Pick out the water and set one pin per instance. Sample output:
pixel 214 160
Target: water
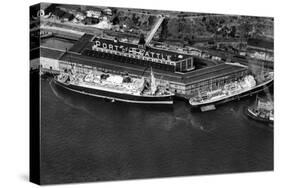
pixel 89 139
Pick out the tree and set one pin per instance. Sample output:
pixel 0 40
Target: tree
pixel 164 30
pixel 151 20
pixel 115 20
pixel 203 19
pixel 135 19
pixel 142 40
pixel 180 26
pixel 233 31
pixel 245 29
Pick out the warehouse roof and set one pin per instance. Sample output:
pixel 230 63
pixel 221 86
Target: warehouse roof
pixel 50 53
pixel 260 43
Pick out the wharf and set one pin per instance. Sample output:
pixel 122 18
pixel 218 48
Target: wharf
pixel 184 84
pixel 183 78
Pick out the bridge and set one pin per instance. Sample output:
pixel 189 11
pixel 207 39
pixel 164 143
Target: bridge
pixel 154 29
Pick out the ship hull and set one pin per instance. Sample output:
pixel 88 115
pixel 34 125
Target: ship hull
pixel 254 116
pixel 250 92
pixel 122 97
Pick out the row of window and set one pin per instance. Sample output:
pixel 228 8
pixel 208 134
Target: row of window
pixel 184 65
pixel 206 85
pixel 214 83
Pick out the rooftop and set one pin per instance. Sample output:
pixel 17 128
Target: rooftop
pixel 88 40
pixel 260 43
pixel 174 55
pixel 81 43
pixel 50 53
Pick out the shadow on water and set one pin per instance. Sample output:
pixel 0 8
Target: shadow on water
pixel 164 116
pixel 114 112
pixel 228 113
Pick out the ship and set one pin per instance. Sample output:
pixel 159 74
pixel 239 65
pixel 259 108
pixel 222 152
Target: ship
pixel 245 86
pixel 124 88
pixel 262 111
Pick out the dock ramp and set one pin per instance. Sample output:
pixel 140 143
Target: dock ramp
pixel 208 108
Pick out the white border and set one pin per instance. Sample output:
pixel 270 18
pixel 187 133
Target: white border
pixel 14 92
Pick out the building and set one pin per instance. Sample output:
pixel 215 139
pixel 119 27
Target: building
pixel 62 15
pixel 136 54
pixel 260 49
pixel 107 11
pixel 49 59
pixel 57 14
pixel 95 13
pixel 90 21
pixel 185 84
pixel 212 77
pixel 80 16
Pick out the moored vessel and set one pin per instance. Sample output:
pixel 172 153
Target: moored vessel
pixel 248 85
pixel 122 88
pixel 262 111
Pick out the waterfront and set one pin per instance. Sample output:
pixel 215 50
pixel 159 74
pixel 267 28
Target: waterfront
pixel 84 138
pixel 99 51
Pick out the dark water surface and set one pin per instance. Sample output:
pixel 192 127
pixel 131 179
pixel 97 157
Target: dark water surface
pixel 89 139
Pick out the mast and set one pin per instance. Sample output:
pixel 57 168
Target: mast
pixel 153 86
pixel 199 94
pixel 262 70
pixel 257 100
pixel 211 84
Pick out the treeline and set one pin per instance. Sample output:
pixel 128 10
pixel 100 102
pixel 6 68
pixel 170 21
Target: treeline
pixel 192 29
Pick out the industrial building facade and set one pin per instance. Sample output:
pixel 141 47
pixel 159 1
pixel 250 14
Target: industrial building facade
pixel 186 86
pixel 209 83
pixel 170 68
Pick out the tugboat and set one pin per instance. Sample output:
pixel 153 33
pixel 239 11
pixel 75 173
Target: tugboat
pixel 122 88
pixel 261 111
pixel 231 91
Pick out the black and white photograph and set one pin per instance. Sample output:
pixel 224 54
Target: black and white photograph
pixel 122 93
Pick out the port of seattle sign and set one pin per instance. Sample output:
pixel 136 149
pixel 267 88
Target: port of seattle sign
pixel 131 50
